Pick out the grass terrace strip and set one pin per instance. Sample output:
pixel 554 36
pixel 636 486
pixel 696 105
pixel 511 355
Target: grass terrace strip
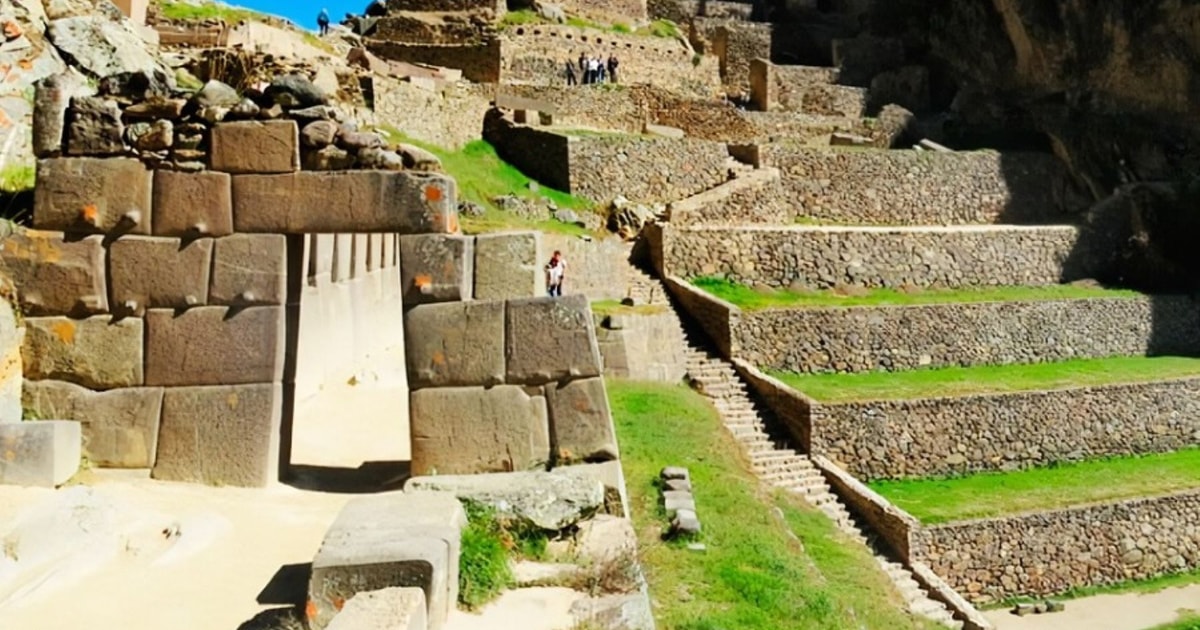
pixel 749 298
pixel 1065 485
pixel 987 379
pixel 758 571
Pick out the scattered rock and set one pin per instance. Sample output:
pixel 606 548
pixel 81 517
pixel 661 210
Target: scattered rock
pixel 359 140
pixel 382 159
pixel 156 136
pixel 113 51
pixel 552 12
pixel 292 91
pixel 470 209
pixel 547 500
pixel 567 216
pixel 216 94
pixel 170 108
pixel 329 158
pixel 685 523
pixel 245 109
pixel 419 159
pixel 318 134
pixel 317 112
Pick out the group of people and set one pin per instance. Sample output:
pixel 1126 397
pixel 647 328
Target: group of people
pixel 592 70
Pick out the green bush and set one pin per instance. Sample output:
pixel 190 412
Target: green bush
pixel 483 560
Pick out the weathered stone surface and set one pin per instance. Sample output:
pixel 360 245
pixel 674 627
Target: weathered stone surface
pixel 255 147
pixel 111 49
pixel 397 608
pixel 294 90
pixel 148 137
pixel 685 523
pixel 676 500
pixel 213 345
pixel 12 338
pixel 550 339
pixel 605 538
pixel 611 476
pixel 52 96
pixel 467 430
pixel 249 269
pixel 392 540
pixel 456 343
pixel 675 472
pixel 418 159
pixel 96 352
pixel 319 134
pixel 192 204
pixel 159 272
pixel 41 453
pixel 581 425
pixel 628 611
pixel 120 426
pixel 56 276
pixel 379 158
pixel 436 268
pixel 227 435
pixel 508 265
pixel 329 158
pixel 216 94
pixel 95 127
pixel 92 195
pixel 548 500
pixel 313 201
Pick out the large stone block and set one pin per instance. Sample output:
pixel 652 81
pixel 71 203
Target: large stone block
pixel 466 430
pixel 249 269
pixel 508 265
pixel 398 608
pixel 95 127
pixel 93 195
pixel 271 146
pixel 550 339
pixel 120 426
pixel 192 204
pixel 52 95
pixel 41 453
pixel 581 425
pixel 97 352
pixel 456 343
pixel 436 268
pixel 12 338
pixel 56 277
pixel 385 541
pixel 226 435
pixel 214 345
pixel 345 201
pixel 158 272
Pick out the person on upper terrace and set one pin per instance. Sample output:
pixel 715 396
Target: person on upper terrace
pixel 571 80
pixel 323 22
pixel 612 68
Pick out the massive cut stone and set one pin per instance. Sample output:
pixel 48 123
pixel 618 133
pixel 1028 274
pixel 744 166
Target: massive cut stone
pixel 214 345
pixel 467 430
pixel 249 269
pixel 41 453
pixel 508 266
pixel 52 96
pixel 96 127
pixel 610 475
pixel 456 343
pixel 271 146
pixel 436 268
pixel 120 426
pixel 581 425
pixel 226 435
pixel 92 195
pixel 110 49
pixel 345 201
pixel 390 540
pixel 56 277
pixel 400 608
pixel 158 272
pixel 549 500
pixel 550 339
pixel 97 352
pixel 192 204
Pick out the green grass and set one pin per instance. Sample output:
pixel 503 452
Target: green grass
pixel 987 379
pixel 1140 587
pixel 1187 621
pixel 614 307
pixel 771 562
pixel 657 28
pixel 749 298
pixel 1054 487
pixel 205 11
pixel 483 561
pixel 16 178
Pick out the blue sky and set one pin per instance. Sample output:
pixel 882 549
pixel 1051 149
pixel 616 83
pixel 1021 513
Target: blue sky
pixel 304 12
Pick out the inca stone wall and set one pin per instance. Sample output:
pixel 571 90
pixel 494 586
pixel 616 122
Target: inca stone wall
pixel 916 187
pixel 479 62
pixel 805 257
pixel 755 197
pixel 449 115
pixel 642 346
pixel 1053 551
pixel 627 12
pixel 737 43
pixel 597 268
pixel 774 87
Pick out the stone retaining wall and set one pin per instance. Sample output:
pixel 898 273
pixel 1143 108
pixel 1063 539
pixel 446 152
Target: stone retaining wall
pixel 714 316
pixel 738 43
pixel 597 268
pixel 479 62
pixel 449 116
pixel 1054 551
pixel 642 346
pixel 754 197
pixel 775 87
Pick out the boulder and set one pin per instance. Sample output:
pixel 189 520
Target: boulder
pixel 318 134
pixel 216 94
pixel 156 136
pixel 96 127
pixel 380 159
pixel 418 159
pixel 113 51
pixel 329 158
pixel 294 91
pixel 359 140
pixel 549 500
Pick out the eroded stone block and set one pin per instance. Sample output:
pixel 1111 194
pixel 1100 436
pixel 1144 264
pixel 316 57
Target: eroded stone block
pixel 214 345
pixel 508 265
pixel 120 426
pixel 456 343
pixel 345 201
pixel 97 352
pixel 399 608
pixel 581 425
pixel 436 268
pixel 93 195
pixel 225 435
pixel 550 339
pixel 51 97
pixel 158 272
pixel 95 127
pixel 249 269
pixel 42 453
pixel 192 204
pixel 56 277
pixel 271 146
pixel 466 430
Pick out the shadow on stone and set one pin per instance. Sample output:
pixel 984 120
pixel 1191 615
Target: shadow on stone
pixel 275 619
pixel 288 586
pixel 368 478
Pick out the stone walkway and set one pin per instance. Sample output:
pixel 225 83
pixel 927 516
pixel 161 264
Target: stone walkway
pixel 1133 611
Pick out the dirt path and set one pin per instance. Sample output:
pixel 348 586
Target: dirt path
pixel 1108 612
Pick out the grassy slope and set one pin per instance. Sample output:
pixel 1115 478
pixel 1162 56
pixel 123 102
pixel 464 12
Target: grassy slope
pixel 757 573
pixel 750 299
pixel 994 494
pixel 988 379
pixel 207 10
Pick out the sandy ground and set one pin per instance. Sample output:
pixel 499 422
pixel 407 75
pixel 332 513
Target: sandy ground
pixel 1107 612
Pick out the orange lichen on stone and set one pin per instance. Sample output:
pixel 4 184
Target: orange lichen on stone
pixel 90 213
pixel 310 609
pixel 65 331
pixel 26 64
pixel 422 280
pixel 232 400
pixel 12 30
pixel 433 193
pixel 453 226
pixel 339 603
pixel 439 358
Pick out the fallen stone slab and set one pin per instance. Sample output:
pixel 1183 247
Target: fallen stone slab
pixel 56 277
pixel 551 339
pixel 685 523
pixel 629 611
pixel 399 608
pixel 581 423
pixel 548 500
pixel 93 195
pixel 675 500
pixel 120 426
pixel 96 352
pixel 468 430
pixel 682 485
pixel 39 453
pixel 610 474
pixel 455 344
pixel 675 472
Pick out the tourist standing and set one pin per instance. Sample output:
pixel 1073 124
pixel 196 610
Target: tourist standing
pixel 612 68
pixel 600 67
pixel 571 80
pixel 556 271
pixel 323 22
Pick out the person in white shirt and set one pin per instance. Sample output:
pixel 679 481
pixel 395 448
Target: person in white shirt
pixel 556 270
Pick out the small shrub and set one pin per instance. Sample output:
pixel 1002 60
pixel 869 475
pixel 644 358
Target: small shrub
pixel 696 58
pixel 621 28
pixel 483 560
pixel 16 178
